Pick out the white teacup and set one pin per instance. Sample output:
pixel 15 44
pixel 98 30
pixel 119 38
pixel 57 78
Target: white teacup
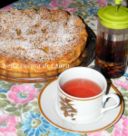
pixel 83 110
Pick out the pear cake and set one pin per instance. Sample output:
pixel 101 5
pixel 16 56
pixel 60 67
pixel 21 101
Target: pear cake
pixel 40 41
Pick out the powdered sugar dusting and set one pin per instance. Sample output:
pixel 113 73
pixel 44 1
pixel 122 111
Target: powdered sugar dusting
pixel 37 35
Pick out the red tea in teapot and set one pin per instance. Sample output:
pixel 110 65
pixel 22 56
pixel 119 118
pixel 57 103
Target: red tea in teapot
pixel 111 56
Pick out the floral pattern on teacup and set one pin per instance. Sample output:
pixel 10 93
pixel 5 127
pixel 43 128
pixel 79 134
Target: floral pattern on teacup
pixel 67 108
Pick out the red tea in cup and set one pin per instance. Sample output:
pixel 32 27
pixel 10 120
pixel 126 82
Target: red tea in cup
pixel 81 88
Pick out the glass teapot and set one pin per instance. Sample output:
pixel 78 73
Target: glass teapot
pixel 112 40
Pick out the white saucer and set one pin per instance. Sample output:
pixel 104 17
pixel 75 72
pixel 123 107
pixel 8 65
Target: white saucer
pixel 47 99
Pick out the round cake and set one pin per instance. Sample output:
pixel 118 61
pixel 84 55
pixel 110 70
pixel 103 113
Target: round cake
pixel 40 41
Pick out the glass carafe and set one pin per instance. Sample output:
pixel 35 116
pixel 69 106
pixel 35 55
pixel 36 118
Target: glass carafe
pixel 112 41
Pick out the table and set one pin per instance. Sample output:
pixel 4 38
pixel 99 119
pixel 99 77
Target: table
pixel 19 112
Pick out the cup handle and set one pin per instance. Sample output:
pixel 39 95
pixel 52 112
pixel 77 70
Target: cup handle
pixel 113 96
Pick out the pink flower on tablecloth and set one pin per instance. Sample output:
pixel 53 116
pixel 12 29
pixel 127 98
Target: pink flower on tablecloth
pixel 122 84
pixel 64 4
pixel 102 2
pixel 99 133
pixel 121 128
pixel 7 8
pixel 8 125
pixel 22 94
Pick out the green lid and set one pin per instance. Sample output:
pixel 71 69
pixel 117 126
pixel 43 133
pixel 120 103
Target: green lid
pixel 112 18
pixel 118 2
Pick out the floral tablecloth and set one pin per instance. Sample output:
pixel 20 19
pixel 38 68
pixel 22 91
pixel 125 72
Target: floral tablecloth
pixel 19 112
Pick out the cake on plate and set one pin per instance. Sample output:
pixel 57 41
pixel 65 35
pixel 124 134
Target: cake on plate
pixel 40 42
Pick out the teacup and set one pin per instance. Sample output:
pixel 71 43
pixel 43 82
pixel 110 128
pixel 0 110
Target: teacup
pixel 80 105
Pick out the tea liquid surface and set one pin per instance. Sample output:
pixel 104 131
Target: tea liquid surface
pixel 81 88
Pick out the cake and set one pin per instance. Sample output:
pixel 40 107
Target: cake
pixel 36 42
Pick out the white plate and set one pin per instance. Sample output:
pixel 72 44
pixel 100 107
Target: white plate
pixel 47 99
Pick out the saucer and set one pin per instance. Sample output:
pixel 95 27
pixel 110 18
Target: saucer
pixel 47 99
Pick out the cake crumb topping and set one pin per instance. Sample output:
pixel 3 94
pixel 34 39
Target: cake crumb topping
pixel 39 35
